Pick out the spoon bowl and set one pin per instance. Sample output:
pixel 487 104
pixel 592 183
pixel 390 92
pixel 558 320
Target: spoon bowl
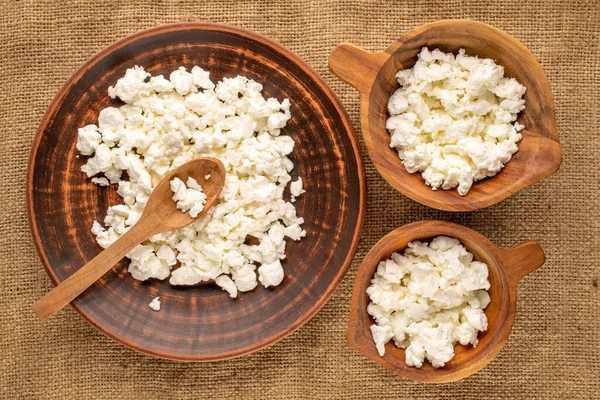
pixel 161 204
pixel 373 74
pixel 506 267
pixel 160 215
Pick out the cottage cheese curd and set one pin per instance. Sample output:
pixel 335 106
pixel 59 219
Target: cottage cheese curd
pixel 155 304
pixel 428 299
pixel 189 198
pixel 453 118
pixel 167 122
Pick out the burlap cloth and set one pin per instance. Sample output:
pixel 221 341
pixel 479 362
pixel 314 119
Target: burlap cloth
pixel 553 352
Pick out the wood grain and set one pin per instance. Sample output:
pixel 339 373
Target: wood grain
pixel 506 268
pixel 160 215
pixel 539 154
pixel 200 324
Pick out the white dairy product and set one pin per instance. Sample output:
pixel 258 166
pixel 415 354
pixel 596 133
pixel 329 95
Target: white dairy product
pixel 296 189
pixel 270 274
pixel 453 119
pixel 427 299
pixel 225 283
pixel 102 181
pixel 155 304
pixel 167 122
pixel 189 198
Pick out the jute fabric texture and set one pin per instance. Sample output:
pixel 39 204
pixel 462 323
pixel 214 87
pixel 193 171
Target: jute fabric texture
pixel 554 350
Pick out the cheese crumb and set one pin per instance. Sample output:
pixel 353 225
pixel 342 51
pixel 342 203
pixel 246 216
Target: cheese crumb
pixel 155 304
pixel 270 274
pixel 102 181
pixel 188 198
pixel 225 283
pixel 453 119
pixel 296 188
pixel 427 299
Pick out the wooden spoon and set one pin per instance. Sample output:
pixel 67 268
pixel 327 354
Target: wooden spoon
pixel 160 215
pixel 373 74
pixel 506 267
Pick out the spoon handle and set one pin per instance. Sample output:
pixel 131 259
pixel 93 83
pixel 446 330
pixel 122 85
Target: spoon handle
pixel 85 277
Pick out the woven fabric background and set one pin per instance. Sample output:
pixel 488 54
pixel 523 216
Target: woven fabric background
pixel 554 350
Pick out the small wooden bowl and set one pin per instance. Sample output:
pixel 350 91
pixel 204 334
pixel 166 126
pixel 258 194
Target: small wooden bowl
pixel 200 323
pixel 506 268
pixel 373 74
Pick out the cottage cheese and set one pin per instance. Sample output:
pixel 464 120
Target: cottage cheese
pixel 428 299
pixel 296 189
pixel 155 304
pixel 188 197
pixel 167 122
pixel 453 119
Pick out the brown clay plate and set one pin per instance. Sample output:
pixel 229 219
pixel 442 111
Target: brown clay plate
pixel 200 323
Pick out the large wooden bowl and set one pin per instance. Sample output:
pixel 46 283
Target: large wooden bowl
pixel 200 323
pixel 539 154
pixel 506 268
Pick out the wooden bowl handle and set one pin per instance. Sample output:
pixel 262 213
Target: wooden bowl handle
pixel 356 66
pixel 545 155
pixel 520 260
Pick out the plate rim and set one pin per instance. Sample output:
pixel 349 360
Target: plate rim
pixel 322 84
